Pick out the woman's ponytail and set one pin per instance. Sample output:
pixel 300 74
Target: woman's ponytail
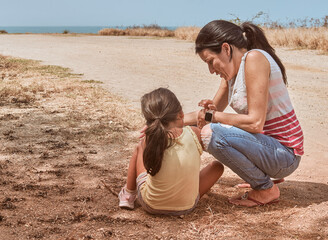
pixel 254 36
pixel 256 39
pixel 159 107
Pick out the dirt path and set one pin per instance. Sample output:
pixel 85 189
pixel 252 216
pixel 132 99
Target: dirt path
pixel 130 66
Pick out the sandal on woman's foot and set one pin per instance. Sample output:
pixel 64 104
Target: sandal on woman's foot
pixel 247 185
pixel 246 198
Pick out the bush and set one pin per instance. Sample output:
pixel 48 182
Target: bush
pixel 137 31
pixel 306 38
pixel 187 33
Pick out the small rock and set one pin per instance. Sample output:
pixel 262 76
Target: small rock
pixel 83 158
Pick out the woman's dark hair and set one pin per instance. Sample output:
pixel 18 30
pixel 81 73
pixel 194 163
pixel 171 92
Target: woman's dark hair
pixel 247 35
pixel 159 107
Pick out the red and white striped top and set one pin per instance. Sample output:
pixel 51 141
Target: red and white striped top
pixel 287 130
pixel 281 121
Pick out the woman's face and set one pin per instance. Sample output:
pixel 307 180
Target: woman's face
pixel 219 64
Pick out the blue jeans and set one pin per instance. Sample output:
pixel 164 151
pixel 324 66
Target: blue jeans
pixel 254 157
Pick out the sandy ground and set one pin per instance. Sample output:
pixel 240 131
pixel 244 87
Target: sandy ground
pixel 130 66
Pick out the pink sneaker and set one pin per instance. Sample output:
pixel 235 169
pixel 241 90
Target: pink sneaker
pixel 126 198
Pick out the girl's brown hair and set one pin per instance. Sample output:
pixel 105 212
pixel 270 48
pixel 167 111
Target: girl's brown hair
pixel 247 35
pixel 159 107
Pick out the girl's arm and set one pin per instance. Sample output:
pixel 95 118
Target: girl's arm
pixel 257 72
pixel 190 119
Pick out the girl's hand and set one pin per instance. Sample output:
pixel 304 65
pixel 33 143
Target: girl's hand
pixel 207 104
pixel 201 118
pixel 142 132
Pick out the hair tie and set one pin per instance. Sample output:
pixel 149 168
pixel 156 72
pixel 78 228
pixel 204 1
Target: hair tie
pixel 244 35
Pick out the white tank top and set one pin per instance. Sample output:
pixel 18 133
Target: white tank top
pixel 281 122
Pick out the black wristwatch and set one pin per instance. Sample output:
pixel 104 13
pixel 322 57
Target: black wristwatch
pixel 209 116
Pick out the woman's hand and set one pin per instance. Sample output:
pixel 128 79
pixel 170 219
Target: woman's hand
pixel 207 104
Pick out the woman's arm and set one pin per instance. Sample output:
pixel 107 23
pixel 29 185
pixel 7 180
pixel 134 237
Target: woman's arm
pixel 257 72
pixel 220 99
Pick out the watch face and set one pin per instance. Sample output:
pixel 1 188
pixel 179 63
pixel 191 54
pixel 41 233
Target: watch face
pixel 208 116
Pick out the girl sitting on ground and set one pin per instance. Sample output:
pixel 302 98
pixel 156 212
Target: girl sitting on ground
pixel 164 168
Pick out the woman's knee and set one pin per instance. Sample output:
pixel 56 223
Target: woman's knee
pixel 218 134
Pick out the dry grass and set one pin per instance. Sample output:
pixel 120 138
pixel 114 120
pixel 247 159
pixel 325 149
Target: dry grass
pixel 187 33
pixel 26 83
pixel 307 38
pixel 184 33
pixel 153 32
pixel 300 38
pixel 59 137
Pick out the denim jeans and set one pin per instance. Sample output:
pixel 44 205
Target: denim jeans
pixel 254 157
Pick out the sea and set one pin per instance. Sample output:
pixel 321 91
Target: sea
pixel 61 29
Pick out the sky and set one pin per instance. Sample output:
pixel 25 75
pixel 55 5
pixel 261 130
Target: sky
pixel 173 13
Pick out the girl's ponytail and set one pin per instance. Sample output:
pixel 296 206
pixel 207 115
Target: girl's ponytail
pixel 256 39
pixel 159 107
pixel 157 141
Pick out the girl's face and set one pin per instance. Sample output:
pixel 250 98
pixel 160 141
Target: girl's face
pixel 219 63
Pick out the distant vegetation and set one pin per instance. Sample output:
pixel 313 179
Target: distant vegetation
pixel 146 30
pixel 3 31
pixel 302 38
pixel 262 19
pixel 308 33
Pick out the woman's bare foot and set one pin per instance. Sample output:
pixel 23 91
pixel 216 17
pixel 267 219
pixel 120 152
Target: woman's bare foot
pixel 247 185
pixel 257 197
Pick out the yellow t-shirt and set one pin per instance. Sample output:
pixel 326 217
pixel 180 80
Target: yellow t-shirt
pixel 176 185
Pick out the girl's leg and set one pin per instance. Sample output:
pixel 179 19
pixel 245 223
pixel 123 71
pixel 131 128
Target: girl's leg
pixel 140 168
pixel 128 193
pixel 136 167
pixel 208 176
pixel 132 173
